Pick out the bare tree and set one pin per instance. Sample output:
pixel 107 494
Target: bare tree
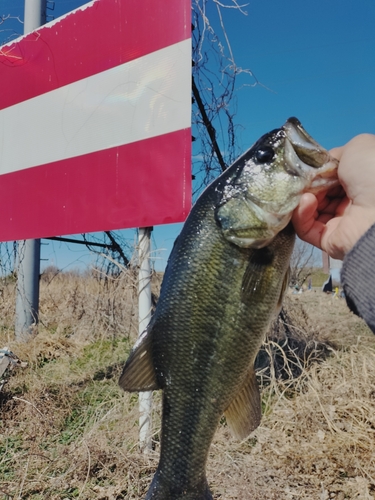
pixel 304 260
pixel 11 27
pixel 216 79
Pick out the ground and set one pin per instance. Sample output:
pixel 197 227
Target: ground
pixel 68 431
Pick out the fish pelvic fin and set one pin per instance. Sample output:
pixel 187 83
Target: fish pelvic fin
pixel 139 372
pixel 244 413
pixel 162 489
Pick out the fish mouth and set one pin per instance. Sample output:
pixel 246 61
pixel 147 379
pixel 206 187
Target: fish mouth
pixel 306 158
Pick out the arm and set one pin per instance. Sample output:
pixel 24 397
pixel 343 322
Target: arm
pixel 358 278
pixel 338 222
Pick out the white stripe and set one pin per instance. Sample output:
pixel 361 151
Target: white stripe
pixel 138 100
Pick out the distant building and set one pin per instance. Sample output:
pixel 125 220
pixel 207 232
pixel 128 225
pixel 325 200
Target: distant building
pixel 325 258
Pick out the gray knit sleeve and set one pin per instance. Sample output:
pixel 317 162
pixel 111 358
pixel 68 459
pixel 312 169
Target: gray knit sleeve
pixel 358 278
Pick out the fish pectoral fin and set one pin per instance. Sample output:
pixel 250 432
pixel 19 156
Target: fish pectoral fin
pixel 139 372
pixel 244 413
pixel 284 288
pixel 257 276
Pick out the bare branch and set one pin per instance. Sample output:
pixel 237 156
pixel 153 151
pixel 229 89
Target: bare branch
pixel 215 75
pixel 302 263
pixel 234 6
pixel 11 33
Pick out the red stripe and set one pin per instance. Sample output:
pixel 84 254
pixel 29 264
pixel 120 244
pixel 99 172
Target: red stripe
pixel 100 37
pixel 57 198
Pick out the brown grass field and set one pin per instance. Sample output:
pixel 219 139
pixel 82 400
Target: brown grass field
pixel 68 431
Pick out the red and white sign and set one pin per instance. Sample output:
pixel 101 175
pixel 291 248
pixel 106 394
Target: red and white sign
pixel 95 117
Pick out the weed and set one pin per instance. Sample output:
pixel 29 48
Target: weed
pixel 67 431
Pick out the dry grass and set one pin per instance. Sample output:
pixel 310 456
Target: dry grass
pixel 67 431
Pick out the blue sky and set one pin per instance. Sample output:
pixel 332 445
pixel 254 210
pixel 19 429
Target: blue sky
pixel 314 59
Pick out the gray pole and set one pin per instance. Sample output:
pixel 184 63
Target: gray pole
pixel 27 300
pixel 144 315
pixel 34 14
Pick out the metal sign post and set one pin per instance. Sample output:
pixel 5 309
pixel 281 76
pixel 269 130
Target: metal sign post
pixel 27 300
pixel 144 314
pixel 34 15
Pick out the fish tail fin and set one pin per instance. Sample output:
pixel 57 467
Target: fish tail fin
pixel 161 489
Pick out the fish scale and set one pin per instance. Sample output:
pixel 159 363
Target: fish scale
pixel 222 286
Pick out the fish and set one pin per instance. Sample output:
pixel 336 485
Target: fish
pixel 223 285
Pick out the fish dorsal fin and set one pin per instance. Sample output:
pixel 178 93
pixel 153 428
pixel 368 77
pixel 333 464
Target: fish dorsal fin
pixel 139 372
pixel 244 413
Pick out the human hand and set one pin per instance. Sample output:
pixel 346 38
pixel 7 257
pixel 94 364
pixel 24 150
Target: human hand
pixel 334 220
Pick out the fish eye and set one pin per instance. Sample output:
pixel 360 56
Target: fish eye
pixel 264 154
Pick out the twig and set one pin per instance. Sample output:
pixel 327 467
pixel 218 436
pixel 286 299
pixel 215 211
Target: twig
pixel 7 495
pixel 88 469
pixel 24 478
pixel 31 404
pixel 210 128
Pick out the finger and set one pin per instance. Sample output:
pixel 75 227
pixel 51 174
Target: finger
pixel 328 201
pixel 311 232
pixel 336 152
pixel 343 206
pixel 332 207
pixel 308 223
pixel 330 244
pixel 304 216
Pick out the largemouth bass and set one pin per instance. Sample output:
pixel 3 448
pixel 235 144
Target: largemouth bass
pixel 223 285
